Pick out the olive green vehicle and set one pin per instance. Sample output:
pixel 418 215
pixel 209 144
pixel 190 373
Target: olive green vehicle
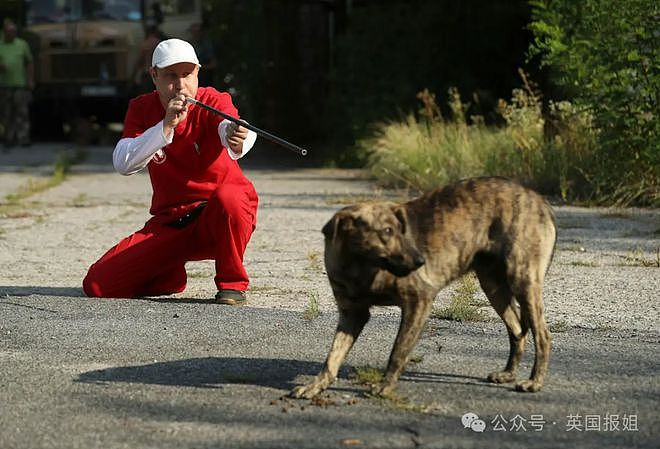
pixel 86 53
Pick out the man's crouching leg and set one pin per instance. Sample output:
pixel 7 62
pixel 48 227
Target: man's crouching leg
pixel 148 263
pixel 228 222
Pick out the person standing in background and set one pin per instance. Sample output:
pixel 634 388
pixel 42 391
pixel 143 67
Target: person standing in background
pixel 16 85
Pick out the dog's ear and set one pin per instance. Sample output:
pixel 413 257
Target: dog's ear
pixel 401 215
pixel 330 228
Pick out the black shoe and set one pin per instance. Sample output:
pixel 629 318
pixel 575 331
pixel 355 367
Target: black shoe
pixel 230 297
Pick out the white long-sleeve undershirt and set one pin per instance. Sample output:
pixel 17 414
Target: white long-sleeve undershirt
pixel 132 154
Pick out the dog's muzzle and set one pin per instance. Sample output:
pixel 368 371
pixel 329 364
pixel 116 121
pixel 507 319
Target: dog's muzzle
pixel 401 267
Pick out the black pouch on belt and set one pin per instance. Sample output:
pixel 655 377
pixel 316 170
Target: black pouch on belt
pixel 185 220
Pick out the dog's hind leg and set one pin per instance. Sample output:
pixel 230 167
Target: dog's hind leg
pixel 492 278
pixel 414 313
pixel 351 323
pixel 529 295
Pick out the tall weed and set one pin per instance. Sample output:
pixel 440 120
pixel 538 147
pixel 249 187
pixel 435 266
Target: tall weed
pixel 422 153
pixel 545 151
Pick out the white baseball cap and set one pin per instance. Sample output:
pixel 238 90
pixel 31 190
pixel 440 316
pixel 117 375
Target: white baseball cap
pixel 173 51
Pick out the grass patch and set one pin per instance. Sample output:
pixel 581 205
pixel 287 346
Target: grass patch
pixel 368 375
pixel 314 259
pixel 13 202
pixel 312 310
pixel 80 200
pixel 463 305
pixel 33 187
pixel 559 326
pixel 637 258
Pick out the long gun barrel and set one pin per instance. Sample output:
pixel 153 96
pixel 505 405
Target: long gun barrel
pixel 261 132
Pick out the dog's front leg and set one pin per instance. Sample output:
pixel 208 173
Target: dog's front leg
pixel 351 323
pixel 414 314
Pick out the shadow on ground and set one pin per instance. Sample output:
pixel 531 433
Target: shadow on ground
pixel 208 372
pixel 213 372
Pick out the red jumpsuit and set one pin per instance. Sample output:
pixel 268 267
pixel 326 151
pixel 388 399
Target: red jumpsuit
pixel 193 169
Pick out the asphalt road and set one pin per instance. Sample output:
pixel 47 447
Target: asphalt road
pixel 80 373
pixel 184 373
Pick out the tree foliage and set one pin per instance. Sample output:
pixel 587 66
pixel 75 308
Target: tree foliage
pixel 605 56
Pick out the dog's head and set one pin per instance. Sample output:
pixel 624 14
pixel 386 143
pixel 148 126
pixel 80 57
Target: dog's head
pixel 373 233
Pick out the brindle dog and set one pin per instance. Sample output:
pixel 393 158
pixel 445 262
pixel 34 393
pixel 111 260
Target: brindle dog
pixel 383 253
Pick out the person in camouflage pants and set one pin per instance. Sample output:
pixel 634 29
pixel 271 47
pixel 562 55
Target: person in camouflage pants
pixel 16 84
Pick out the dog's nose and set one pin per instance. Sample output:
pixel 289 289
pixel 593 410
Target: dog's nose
pixel 419 261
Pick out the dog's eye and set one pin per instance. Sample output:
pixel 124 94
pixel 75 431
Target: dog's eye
pixel 388 231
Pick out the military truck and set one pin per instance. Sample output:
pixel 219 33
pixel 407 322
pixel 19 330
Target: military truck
pixel 86 51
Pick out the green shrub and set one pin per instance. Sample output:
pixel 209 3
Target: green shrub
pixel 602 146
pixel 605 56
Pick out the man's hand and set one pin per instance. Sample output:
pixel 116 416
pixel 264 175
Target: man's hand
pixel 236 134
pixel 176 112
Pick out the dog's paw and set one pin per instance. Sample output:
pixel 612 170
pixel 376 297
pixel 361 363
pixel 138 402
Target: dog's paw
pixel 528 386
pixel 306 391
pixel 501 377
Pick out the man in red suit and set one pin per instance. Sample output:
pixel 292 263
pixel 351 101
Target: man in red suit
pixel 202 207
